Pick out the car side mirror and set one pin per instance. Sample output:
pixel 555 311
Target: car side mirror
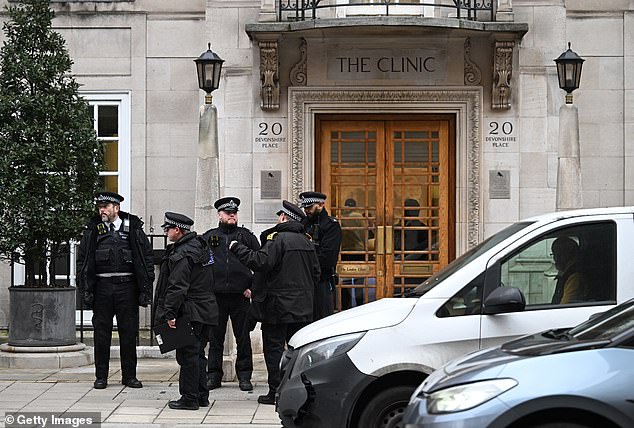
pixel 503 300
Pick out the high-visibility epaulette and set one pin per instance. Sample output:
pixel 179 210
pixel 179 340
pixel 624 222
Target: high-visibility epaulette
pixel 271 236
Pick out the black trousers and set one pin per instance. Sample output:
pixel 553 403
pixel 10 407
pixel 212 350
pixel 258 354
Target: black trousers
pixel 115 298
pixel 274 339
pixel 323 302
pixel 236 307
pixel 192 378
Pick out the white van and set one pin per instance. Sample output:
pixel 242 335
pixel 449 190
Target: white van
pixel 359 367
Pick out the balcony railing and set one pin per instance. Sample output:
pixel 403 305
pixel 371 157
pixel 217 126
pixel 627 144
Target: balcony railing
pixel 301 10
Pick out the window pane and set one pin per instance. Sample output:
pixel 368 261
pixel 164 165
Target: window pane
pixel 416 152
pixel 353 152
pixel 416 135
pixel 111 156
pixel 571 265
pixel 108 121
pixel 371 152
pixel 109 183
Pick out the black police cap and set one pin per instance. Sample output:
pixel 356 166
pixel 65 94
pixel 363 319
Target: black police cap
pixel 307 199
pixel 177 220
pixel 292 211
pixel 228 203
pixel 108 198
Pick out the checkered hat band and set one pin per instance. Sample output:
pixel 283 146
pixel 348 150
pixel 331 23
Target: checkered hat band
pixel 291 215
pixel 106 199
pixel 310 201
pixel 177 224
pixel 232 205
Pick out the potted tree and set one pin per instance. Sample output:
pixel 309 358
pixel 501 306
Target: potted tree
pixel 49 171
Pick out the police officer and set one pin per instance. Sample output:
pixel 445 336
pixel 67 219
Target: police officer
pixel 288 269
pixel 232 287
pixel 184 292
pixel 115 274
pixel 326 234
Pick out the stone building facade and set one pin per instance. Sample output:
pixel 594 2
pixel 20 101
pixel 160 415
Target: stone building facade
pixel 455 109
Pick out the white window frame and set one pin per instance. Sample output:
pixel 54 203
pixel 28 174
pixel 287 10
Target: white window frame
pixel 122 101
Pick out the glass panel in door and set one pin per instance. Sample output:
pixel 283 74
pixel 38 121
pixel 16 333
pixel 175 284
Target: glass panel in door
pixel 419 193
pixel 349 175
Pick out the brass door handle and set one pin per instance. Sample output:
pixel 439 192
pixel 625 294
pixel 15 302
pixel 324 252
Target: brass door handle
pixel 389 241
pixel 380 240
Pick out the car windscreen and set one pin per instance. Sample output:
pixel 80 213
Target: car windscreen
pixel 606 325
pixel 464 259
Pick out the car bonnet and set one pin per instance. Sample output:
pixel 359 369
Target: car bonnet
pixel 380 314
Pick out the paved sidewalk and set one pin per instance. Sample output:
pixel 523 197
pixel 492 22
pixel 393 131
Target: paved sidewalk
pixel 59 391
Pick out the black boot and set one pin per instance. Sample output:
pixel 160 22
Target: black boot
pixel 181 404
pixel 245 385
pixel 268 398
pixel 213 382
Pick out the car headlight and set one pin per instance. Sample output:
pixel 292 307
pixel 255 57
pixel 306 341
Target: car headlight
pixel 468 396
pixel 314 353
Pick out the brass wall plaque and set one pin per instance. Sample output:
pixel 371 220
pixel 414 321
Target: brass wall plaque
pixel 354 269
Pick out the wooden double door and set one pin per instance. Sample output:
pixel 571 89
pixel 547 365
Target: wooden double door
pixel 390 182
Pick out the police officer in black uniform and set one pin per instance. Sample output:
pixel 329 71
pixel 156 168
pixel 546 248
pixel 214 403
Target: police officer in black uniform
pixel 326 234
pixel 288 271
pixel 115 274
pixel 232 287
pixel 185 292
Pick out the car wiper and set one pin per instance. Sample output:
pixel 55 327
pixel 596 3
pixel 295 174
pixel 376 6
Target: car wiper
pixel 409 293
pixel 558 334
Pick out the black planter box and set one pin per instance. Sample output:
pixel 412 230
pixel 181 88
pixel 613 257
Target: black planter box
pixel 41 316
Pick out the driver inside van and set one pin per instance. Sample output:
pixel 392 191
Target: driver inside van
pixel 570 286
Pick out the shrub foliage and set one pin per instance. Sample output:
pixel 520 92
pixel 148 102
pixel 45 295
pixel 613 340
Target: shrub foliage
pixel 50 156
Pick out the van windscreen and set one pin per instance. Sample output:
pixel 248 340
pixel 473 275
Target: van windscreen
pixel 473 253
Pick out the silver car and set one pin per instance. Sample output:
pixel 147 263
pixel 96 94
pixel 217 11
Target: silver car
pixel 579 377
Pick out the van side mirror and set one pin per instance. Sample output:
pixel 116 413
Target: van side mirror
pixel 503 300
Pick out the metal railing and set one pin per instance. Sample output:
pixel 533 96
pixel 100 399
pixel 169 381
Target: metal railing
pixel 66 265
pixel 300 10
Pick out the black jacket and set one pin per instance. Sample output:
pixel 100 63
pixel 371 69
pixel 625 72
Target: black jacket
pixel 289 269
pixel 142 257
pixel 230 276
pixel 185 282
pixel 326 234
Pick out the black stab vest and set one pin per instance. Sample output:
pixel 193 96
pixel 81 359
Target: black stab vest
pixel 113 253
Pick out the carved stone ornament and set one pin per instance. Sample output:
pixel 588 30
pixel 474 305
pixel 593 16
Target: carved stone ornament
pixel 472 73
pixel 298 75
pixel 269 76
pixel 466 103
pixel 502 73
